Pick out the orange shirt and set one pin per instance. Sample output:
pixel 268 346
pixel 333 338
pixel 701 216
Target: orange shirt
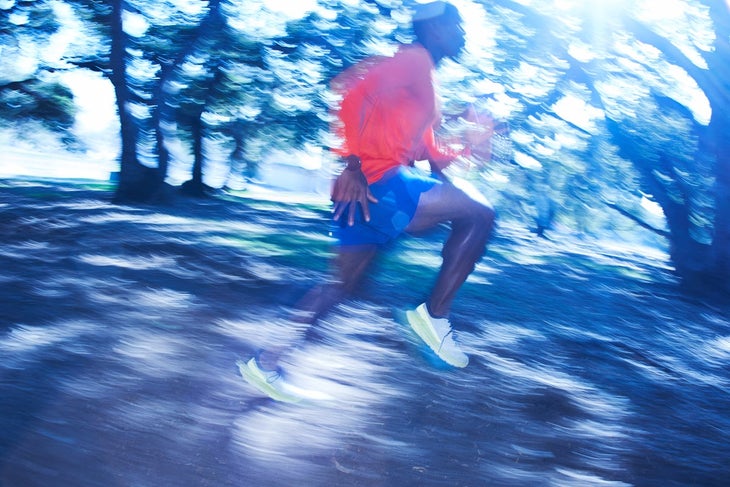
pixel 388 112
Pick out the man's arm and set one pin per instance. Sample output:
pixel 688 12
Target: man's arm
pixel 439 156
pixel 351 187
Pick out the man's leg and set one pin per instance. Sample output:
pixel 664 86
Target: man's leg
pixel 472 223
pixel 350 265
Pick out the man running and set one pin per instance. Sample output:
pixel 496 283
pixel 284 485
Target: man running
pixel 387 118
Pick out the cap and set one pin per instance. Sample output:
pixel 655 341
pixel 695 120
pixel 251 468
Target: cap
pixel 426 11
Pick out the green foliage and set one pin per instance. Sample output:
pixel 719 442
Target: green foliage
pixel 48 102
pixel 30 90
pixel 28 19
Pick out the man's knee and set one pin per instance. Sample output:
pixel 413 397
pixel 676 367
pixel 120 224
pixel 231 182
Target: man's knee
pixel 476 207
pixel 488 215
pixel 482 216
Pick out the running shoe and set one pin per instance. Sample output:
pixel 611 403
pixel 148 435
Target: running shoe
pixel 438 335
pixel 270 382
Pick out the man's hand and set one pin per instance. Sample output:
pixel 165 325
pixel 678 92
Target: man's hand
pixel 351 188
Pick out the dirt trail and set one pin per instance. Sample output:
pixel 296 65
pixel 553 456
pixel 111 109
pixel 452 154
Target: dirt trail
pixel 120 327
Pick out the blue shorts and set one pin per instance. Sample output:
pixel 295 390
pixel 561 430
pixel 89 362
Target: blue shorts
pixel 397 192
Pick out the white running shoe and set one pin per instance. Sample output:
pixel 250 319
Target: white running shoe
pixel 437 334
pixel 270 383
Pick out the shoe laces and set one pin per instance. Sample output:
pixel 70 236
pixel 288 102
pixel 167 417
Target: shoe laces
pixel 271 376
pixel 449 334
pixel 441 325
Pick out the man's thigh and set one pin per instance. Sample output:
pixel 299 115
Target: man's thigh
pixel 447 202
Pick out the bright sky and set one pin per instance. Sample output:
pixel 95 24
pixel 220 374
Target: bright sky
pixel 94 97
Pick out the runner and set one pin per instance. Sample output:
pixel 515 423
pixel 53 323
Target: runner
pixel 387 118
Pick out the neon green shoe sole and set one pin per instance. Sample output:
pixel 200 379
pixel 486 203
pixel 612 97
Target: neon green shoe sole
pixel 444 347
pixel 272 387
pixel 423 329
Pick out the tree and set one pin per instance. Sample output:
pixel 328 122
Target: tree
pixel 136 181
pixel 714 141
pixel 609 104
pixel 164 44
pixel 643 77
pixel 202 40
pixel 686 168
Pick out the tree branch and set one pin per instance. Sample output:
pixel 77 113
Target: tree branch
pixel 637 220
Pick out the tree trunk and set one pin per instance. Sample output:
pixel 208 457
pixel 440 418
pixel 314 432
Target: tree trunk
pixel 721 242
pixel 238 165
pixel 717 134
pixel 212 21
pixel 136 181
pixel 195 186
pixel 160 116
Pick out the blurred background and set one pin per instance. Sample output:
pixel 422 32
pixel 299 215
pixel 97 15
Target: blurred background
pixel 600 131
pixel 610 115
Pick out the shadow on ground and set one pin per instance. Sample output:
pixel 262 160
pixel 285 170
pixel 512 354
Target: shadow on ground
pixel 120 327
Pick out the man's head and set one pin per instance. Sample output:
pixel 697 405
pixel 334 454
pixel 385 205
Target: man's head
pixel 437 26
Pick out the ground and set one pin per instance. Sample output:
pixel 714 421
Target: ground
pixel 120 327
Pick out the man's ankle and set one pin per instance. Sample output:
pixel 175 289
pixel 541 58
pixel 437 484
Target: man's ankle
pixel 268 359
pixel 435 315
